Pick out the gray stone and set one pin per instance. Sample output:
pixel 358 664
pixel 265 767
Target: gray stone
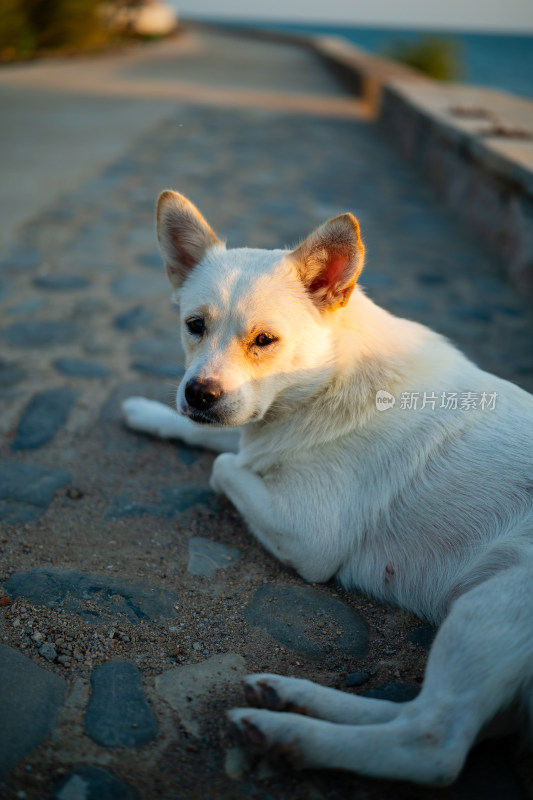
pixel 74 591
pixel 43 417
pixel 172 371
pixel 158 348
pixel 60 283
pixel 140 286
pixel 79 368
pixel 118 713
pixel 30 699
pixel 172 500
pixel 93 783
pixel 10 374
pixel 305 620
pixel 26 490
pixel 188 689
pixel 133 319
pixel 42 333
pixel 47 651
pixel 206 556
pixel 397 692
pixel 357 678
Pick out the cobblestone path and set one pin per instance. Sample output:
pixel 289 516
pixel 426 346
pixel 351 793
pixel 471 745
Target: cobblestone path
pixel 133 600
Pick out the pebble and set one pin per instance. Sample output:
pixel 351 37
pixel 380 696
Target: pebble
pixel 47 651
pixel 79 368
pixel 89 782
pixel 357 678
pixel 71 590
pixel 290 613
pixel 172 371
pixel 42 333
pixel 172 500
pixel 118 713
pixel 188 689
pixel 133 319
pixel 44 415
pixel 206 556
pixel 60 283
pixel 30 699
pixel 26 490
pixel 164 349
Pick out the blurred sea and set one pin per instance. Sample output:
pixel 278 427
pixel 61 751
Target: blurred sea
pixel 500 61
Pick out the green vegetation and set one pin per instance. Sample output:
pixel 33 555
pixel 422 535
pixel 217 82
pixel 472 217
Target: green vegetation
pixel 437 57
pixel 40 27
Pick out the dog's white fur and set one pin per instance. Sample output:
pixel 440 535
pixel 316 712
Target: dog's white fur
pixel 430 509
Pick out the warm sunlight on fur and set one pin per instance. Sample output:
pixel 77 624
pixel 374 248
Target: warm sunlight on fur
pixel 354 461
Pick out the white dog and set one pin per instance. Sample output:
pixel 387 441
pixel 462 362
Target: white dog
pixel 369 449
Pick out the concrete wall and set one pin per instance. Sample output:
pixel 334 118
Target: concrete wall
pixel 475 146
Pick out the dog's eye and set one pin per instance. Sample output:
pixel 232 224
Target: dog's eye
pixel 196 326
pixel 263 339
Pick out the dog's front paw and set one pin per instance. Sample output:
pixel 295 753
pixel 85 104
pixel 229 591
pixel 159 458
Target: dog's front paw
pixel 149 416
pixel 221 467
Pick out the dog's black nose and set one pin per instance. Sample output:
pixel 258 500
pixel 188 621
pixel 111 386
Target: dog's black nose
pixel 202 394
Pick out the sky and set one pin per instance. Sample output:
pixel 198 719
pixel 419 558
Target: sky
pixel 470 15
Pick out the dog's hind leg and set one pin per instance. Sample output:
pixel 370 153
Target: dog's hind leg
pixel 481 662
pixel 158 419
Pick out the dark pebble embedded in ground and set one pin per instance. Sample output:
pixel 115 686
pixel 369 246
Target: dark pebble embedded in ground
pixel 41 333
pixel 78 592
pixel 42 418
pixel 206 556
pixel 80 368
pixel 133 319
pixel 26 490
pixel 60 283
pixel 118 713
pixel 30 699
pixel 298 617
pixel 172 500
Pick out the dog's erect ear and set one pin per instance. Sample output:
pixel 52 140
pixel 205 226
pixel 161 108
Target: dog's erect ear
pixel 183 234
pixel 329 261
